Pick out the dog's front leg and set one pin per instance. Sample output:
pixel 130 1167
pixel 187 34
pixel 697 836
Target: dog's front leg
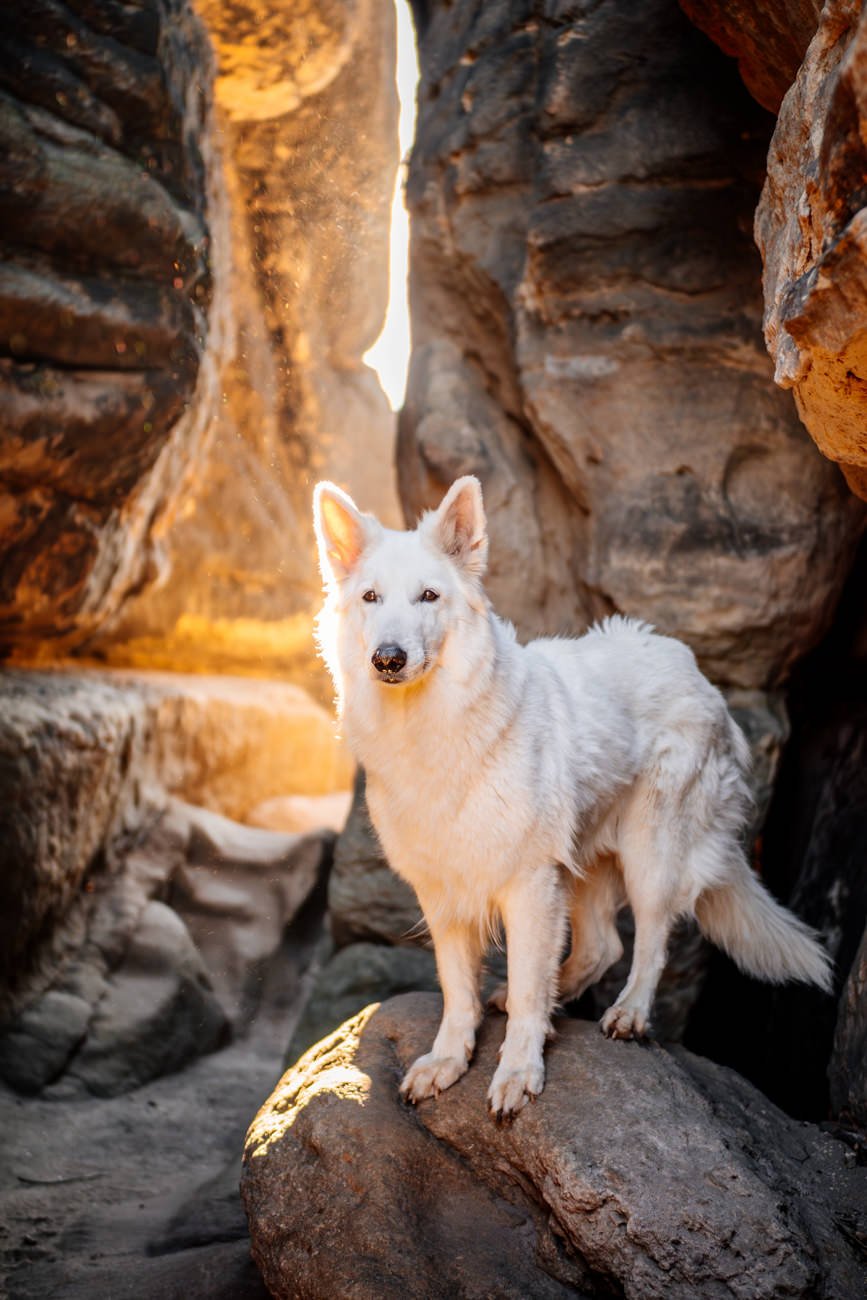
pixel 534 918
pixel 458 954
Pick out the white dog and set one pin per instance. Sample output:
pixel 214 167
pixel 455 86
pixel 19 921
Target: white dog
pixel 520 784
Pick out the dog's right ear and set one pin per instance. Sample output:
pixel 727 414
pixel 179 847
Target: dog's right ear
pixel 342 531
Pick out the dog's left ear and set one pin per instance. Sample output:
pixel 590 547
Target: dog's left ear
pixel 342 531
pixel 460 528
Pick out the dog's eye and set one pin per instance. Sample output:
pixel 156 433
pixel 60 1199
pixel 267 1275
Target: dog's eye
pixel 369 596
pixel 429 594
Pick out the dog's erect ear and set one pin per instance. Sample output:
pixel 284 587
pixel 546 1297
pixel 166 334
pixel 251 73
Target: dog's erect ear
pixel 460 528
pixel 342 531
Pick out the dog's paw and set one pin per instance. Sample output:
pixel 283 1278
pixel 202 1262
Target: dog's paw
pixel 430 1075
pixel 497 1000
pixel 511 1089
pixel 624 1021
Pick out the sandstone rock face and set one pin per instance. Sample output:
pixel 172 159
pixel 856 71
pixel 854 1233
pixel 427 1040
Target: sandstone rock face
pixel 768 40
pixel 810 227
pixel 308 121
pixel 108 335
pixel 635 1173
pixel 151 985
pixel 86 761
pixel 586 325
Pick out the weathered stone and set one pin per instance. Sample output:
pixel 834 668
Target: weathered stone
pixel 847 1071
pixel 300 813
pixel 637 1173
pixel 229 742
pixel 585 298
pixel 768 40
pixel 811 227
pixel 159 1011
pixel 366 900
pixel 309 147
pixel 149 986
pixel 107 355
pixel 352 979
pixel 85 759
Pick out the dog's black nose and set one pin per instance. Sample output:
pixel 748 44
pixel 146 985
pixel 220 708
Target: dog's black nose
pixel 389 659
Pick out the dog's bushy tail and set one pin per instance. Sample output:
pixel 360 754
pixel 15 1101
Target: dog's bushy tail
pixel 764 938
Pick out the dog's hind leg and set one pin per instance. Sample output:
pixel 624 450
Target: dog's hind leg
pixel 533 916
pixel 651 889
pixel 594 901
pixel 458 955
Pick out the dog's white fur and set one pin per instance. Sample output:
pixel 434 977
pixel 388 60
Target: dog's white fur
pixel 524 784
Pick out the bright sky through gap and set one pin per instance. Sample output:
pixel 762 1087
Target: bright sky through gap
pixel 389 355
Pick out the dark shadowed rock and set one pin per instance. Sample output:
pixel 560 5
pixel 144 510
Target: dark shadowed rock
pixel 587 334
pixel 639 1172
pixel 767 38
pixel 847 1071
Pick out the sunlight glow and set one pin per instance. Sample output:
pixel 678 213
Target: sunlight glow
pixel 389 355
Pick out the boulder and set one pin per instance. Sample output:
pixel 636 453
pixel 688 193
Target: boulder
pixel 847 1071
pixel 86 759
pixel 586 314
pixel 639 1172
pixel 173 957
pixel 811 227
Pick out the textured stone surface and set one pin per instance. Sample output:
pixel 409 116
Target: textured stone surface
pixel 85 759
pixel 811 227
pixel 848 1068
pixel 767 38
pixel 107 360
pixel 309 148
pixel 586 326
pixel 151 985
pixel 137 1195
pixel 635 1173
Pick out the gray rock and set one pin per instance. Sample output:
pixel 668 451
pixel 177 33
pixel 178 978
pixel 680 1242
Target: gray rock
pixel 366 900
pixel 159 1012
pixel 352 979
pixel 639 1171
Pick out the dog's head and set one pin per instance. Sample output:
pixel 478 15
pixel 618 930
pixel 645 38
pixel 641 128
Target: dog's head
pixel 399 596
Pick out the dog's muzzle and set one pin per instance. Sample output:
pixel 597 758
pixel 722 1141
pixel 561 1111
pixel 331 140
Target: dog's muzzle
pixel 388 661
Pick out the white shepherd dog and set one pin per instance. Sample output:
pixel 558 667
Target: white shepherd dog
pixel 525 784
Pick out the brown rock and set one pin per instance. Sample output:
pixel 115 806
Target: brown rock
pixel 810 227
pixel 639 1171
pixel 86 759
pixel 586 325
pixel 768 40
pixel 107 370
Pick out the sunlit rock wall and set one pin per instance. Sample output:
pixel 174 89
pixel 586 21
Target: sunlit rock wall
pixel 196 205
pixel 587 308
pixel 108 331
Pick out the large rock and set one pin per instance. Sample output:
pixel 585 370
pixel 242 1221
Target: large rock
pixel 108 358
pixel 151 985
pixel 848 1068
pixel 811 227
pixel 85 760
pixel 638 1172
pixel 308 121
pixel 586 325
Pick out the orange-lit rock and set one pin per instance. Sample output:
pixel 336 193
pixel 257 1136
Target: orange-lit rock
pixel 811 227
